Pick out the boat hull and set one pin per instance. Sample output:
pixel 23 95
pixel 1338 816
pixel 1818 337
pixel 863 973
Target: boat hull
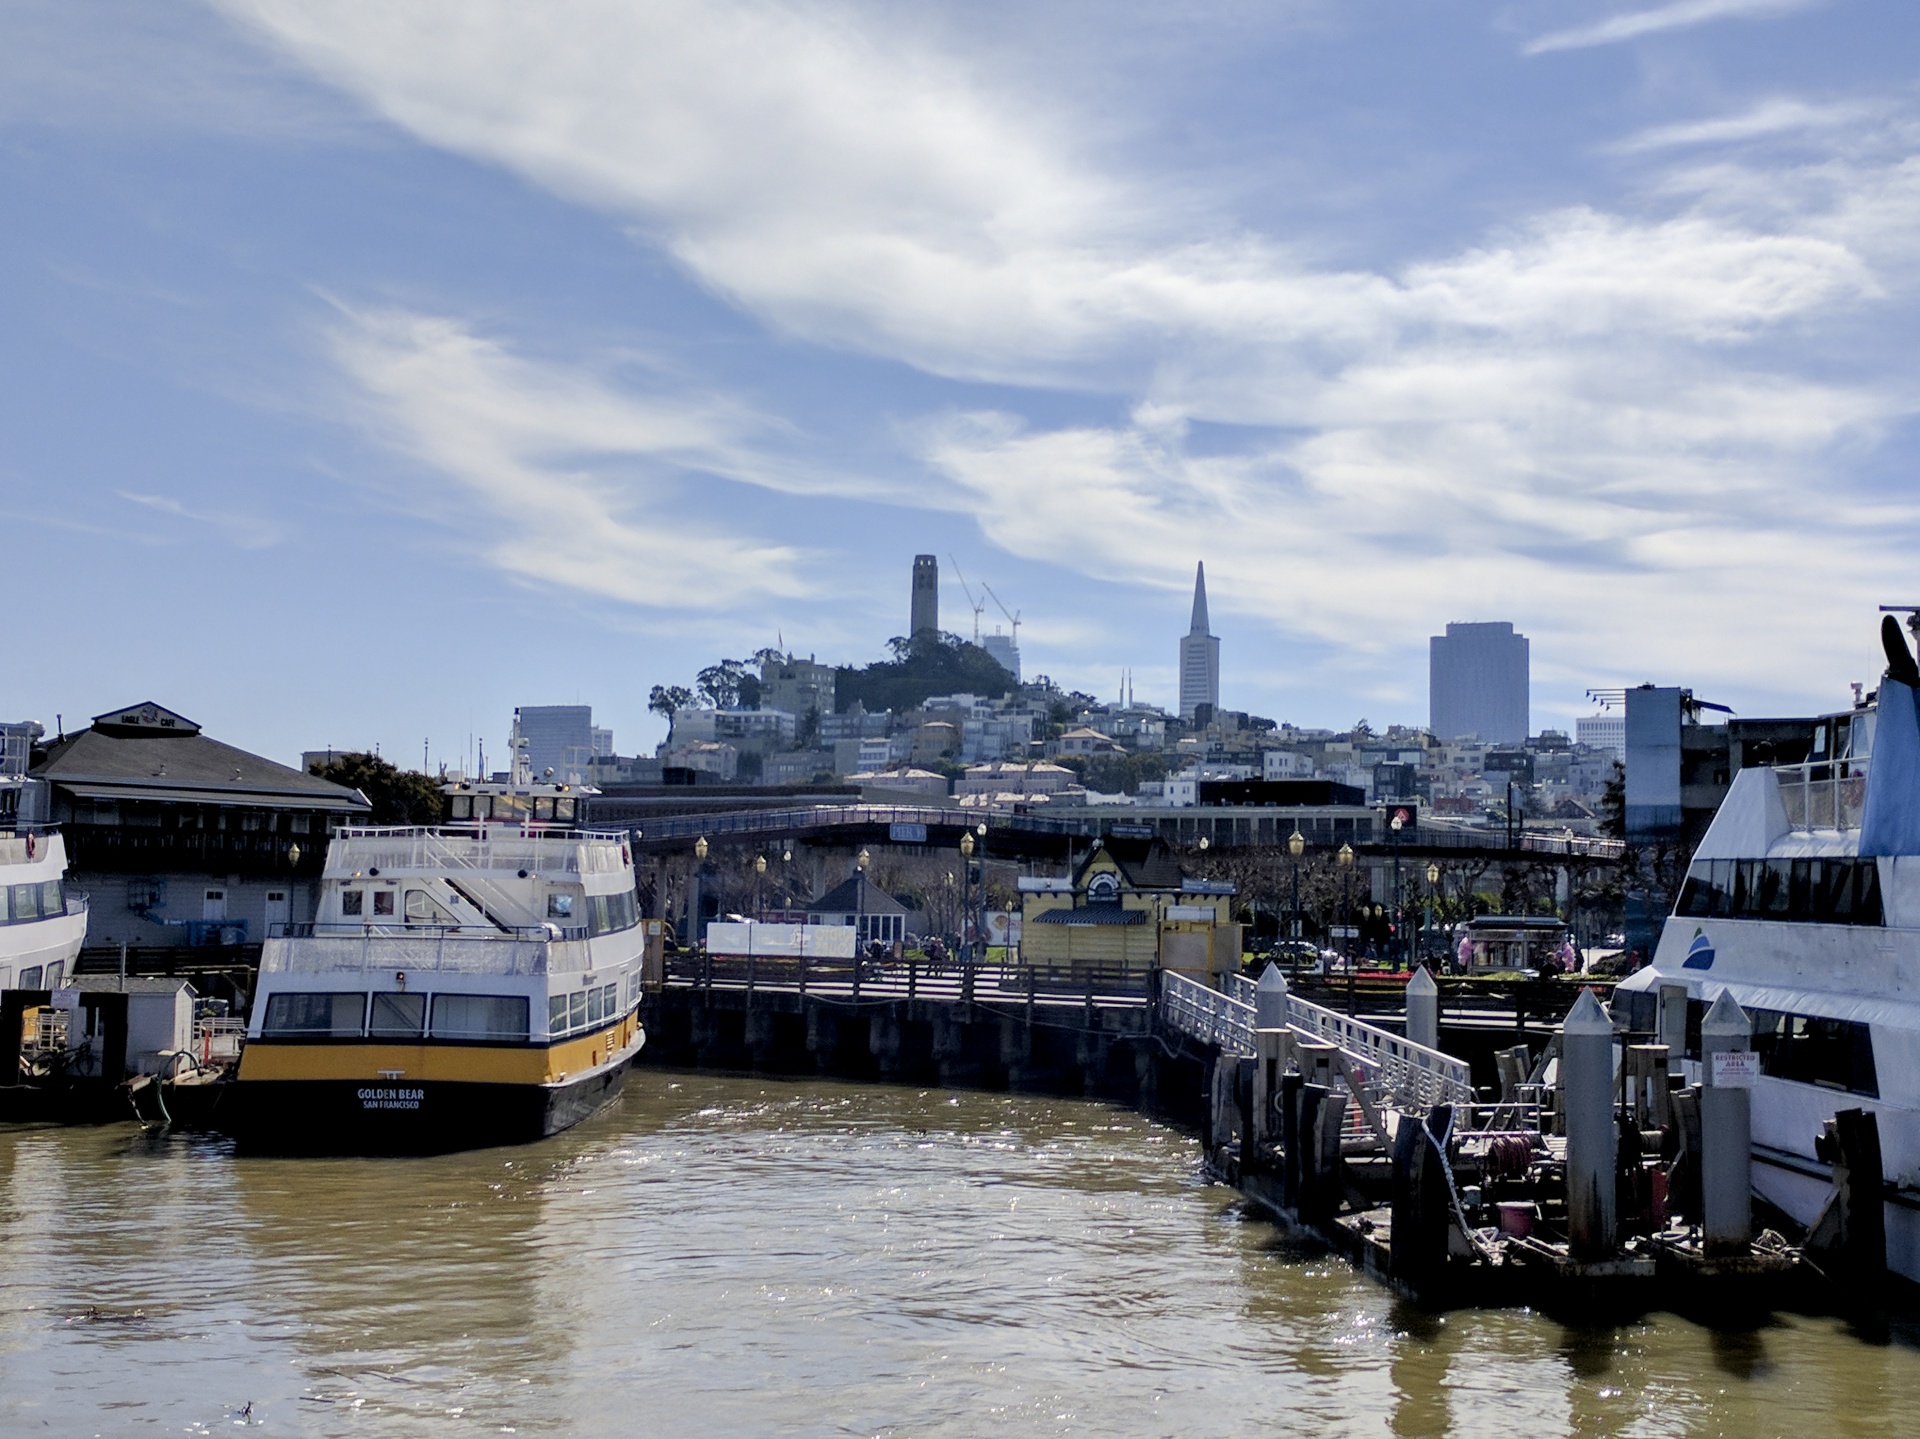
pixel 398 1117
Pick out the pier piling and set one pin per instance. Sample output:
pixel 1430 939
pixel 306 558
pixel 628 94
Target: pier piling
pixel 1586 1071
pixel 1726 1125
pixel 1423 1009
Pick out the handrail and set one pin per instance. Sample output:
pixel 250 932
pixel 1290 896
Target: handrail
pixel 317 929
pixel 478 849
pixel 1401 1073
pixel 1824 794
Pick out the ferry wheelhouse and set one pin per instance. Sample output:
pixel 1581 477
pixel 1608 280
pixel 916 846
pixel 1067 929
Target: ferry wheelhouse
pixel 42 923
pixel 1803 902
pixel 458 987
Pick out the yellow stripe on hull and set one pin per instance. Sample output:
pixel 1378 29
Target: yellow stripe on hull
pixel 376 1060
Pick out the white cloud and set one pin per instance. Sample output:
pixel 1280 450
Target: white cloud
pixel 1781 115
pixel 1577 419
pixel 1680 14
pixel 249 532
pixel 577 481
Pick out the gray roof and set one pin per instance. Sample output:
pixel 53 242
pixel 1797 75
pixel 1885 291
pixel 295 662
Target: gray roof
pixel 858 895
pixel 1087 914
pixel 184 768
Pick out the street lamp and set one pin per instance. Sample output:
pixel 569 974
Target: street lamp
pixel 1399 909
pixel 860 863
pixel 700 851
pixel 966 892
pixel 1433 887
pixel 1296 846
pixel 759 878
pixel 1345 859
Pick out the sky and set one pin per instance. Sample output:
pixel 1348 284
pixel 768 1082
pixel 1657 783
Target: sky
pixel 368 369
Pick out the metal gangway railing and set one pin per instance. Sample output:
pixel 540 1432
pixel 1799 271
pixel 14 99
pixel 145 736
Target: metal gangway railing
pixel 1394 1070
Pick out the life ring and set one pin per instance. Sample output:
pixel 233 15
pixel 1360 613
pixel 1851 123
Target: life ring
pixel 30 846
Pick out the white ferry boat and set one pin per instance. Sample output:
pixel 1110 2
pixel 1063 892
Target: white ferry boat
pixel 42 924
pixel 1803 901
pixel 459 987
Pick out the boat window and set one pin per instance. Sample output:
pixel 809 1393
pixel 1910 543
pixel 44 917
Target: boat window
pixel 543 808
pixel 610 1000
pixel 556 1014
pixel 6 904
pixel 398 1016
pixel 421 909
pixel 563 809
pixel 353 901
pixel 559 906
pixel 577 1010
pixel 596 1006
pixel 1640 1008
pixel 26 901
pixel 30 977
pixel 1834 1053
pixel 611 913
pixel 460 807
pixel 1818 891
pixel 483 806
pixel 382 902
pixel 480 1016
pixel 51 900
pixel 337 1015
pixel 56 972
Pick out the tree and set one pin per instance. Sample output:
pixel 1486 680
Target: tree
pixel 719 684
pixel 1613 804
pixel 669 700
pixel 398 796
pixel 922 665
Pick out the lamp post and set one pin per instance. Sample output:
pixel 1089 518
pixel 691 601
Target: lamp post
pixel 1433 885
pixel 1345 858
pixel 860 863
pixel 759 879
pixel 980 899
pixel 1296 846
pixel 1399 909
pixel 966 894
pixel 700 852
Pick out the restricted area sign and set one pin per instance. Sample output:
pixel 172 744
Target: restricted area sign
pixel 1735 1069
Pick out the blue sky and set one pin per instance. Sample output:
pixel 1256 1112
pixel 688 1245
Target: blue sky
pixel 372 368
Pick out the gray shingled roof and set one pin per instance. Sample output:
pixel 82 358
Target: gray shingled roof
pixel 184 768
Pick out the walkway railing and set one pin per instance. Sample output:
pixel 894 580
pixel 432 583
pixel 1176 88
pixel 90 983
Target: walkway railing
pixel 1395 1070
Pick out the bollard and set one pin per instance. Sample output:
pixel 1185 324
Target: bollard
pixel 1648 1093
pixel 1270 1050
pixel 1270 999
pixel 1586 1088
pixel 1726 1127
pixel 1423 1009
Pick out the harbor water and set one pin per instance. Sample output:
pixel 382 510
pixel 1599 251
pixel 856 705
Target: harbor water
pixel 719 1256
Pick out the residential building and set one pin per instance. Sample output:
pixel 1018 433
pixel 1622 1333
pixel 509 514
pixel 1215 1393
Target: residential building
pixel 703 756
pixel 1199 656
pixel 925 612
pixel 800 687
pixel 1285 764
pixel 800 766
pixel 922 782
pixel 750 731
pixel 1006 778
pixel 1478 677
pixel 1083 740
pixel 852 756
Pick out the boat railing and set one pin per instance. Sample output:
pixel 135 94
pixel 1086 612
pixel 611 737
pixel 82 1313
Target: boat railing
pixel 392 947
pixel 480 848
pixel 1828 794
pixel 30 844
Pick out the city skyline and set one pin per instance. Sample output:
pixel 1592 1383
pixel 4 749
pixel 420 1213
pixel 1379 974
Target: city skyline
pixel 339 318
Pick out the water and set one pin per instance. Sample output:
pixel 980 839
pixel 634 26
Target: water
pixel 731 1257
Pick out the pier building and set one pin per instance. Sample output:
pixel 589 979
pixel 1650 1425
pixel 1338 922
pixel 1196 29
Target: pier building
pixel 184 842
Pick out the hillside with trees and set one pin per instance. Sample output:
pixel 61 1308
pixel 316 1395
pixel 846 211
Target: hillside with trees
pixel 927 664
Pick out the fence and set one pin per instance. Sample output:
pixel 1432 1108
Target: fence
pixel 859 978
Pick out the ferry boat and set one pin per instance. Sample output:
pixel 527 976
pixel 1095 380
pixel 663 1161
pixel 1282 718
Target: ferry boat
pixel 42 924
pixel 459 987
pixel 1803 902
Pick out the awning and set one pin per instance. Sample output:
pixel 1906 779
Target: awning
pixel 161 792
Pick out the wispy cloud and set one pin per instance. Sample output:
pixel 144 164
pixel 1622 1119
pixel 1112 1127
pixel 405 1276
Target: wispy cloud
pixel 249 532
pixel 1585 400
pixel 1781 115
pixel 1678 15
pixel 581 484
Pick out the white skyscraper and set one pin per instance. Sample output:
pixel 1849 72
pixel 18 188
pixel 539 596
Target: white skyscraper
pixel 1199 655
pixel 1477 681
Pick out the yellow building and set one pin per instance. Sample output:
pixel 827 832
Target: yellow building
pixel 1128 905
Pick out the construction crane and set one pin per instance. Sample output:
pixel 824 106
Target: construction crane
pixel 1013 617
pixel 978 605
